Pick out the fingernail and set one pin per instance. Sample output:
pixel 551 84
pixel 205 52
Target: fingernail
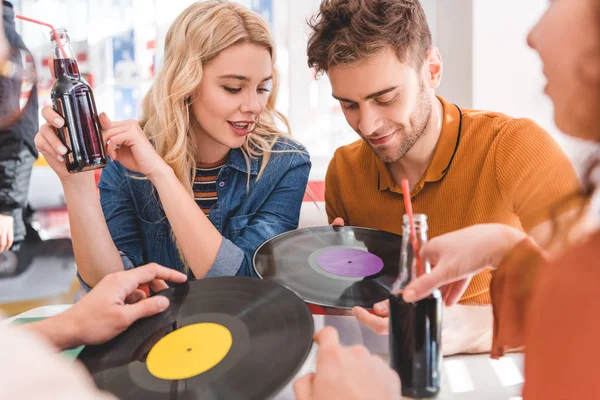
pixel 58 122
pixel 60 158
pixel 163 302
pixel 62 149
pixel 409 295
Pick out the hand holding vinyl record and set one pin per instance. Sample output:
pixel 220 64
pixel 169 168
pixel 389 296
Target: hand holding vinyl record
pixel 116 302
pixel 378 322
pixel 225 338
pixel 466 329
pixel 335 267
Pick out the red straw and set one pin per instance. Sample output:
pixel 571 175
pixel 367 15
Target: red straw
pixel 35 21
pixel 413 232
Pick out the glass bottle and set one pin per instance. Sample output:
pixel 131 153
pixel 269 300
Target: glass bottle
pixel 415 328
pixel 73 99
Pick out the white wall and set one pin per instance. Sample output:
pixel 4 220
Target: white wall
pixel 452 27
pixel 507 74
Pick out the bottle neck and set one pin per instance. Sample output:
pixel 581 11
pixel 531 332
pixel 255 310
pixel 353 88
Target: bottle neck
pixel 65 64
pixel 66 46
pixel 408 267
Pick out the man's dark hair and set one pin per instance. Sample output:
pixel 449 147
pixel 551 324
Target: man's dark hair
pixel 346 31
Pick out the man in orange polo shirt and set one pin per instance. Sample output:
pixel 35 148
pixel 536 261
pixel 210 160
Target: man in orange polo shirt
pixel 464 166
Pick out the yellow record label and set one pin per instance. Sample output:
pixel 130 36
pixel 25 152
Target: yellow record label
pixel 189 351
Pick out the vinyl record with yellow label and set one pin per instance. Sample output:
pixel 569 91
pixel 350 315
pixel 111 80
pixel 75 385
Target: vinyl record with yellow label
pixel 220 338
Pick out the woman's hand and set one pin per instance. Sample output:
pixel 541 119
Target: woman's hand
pixel 456 256
pixel 52 148
pixel 126 143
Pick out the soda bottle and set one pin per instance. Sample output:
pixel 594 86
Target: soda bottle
pixel 415 328
pixel 73 99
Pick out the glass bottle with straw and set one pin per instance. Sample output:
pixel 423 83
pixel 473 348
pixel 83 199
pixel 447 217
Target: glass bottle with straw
pixel 73 99
pixel 415 328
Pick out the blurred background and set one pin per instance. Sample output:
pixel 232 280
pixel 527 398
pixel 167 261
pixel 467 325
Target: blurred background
pixel 119 48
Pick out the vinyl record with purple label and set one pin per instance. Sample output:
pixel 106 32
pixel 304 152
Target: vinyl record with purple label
pixel 339 267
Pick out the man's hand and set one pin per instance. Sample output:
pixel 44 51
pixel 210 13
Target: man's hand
pixel 378 322
pixel 332 310
pixel 465 329
pixel 338 222
pixel 7 223
pixel 346 373
pixel 111 307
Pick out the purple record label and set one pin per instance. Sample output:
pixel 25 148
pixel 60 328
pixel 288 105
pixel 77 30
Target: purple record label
pixel 350 262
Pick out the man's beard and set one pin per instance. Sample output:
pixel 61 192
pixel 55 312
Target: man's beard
pixel 419 120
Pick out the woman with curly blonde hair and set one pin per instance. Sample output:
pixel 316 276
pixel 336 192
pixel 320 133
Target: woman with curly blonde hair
pixel 207 175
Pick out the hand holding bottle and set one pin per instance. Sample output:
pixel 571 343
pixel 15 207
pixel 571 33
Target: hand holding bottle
pixel 52 148
pixel 455 257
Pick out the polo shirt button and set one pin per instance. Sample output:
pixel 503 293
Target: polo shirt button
pixel 221 184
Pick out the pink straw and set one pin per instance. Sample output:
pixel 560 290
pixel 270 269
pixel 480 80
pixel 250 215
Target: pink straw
pixel 49 26
pixel 413 232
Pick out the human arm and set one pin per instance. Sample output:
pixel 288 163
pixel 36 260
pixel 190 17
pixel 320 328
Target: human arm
pixel 110 308
pixel 95 252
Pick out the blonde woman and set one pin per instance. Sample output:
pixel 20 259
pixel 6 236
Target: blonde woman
pixel 207 175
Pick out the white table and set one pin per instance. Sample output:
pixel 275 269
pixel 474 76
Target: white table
pixel 463 377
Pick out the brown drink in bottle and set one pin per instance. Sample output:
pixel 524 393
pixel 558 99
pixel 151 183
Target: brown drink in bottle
pixel 415 328
pixel 73 99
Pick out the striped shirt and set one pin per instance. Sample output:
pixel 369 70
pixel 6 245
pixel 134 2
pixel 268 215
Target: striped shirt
pixel 205 184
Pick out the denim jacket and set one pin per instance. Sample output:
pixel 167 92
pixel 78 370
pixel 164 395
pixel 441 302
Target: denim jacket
pixel 245 216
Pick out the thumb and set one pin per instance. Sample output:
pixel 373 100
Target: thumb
pixel 147 307
pixel 382 308
pixel 105 122
pixel 303 387
pixel 338 222
pixel 425 284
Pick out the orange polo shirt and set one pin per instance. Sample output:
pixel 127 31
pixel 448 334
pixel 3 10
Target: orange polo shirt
pixel 486 168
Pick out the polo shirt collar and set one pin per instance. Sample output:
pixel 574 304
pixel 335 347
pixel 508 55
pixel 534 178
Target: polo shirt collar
pixel 442 156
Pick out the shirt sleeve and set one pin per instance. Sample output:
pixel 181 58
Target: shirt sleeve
pixel 120 213
pixel 510 289
pixel 533 173
pixel 278 214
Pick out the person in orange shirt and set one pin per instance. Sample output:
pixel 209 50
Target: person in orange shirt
pixel 543 303
pixel 465 167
